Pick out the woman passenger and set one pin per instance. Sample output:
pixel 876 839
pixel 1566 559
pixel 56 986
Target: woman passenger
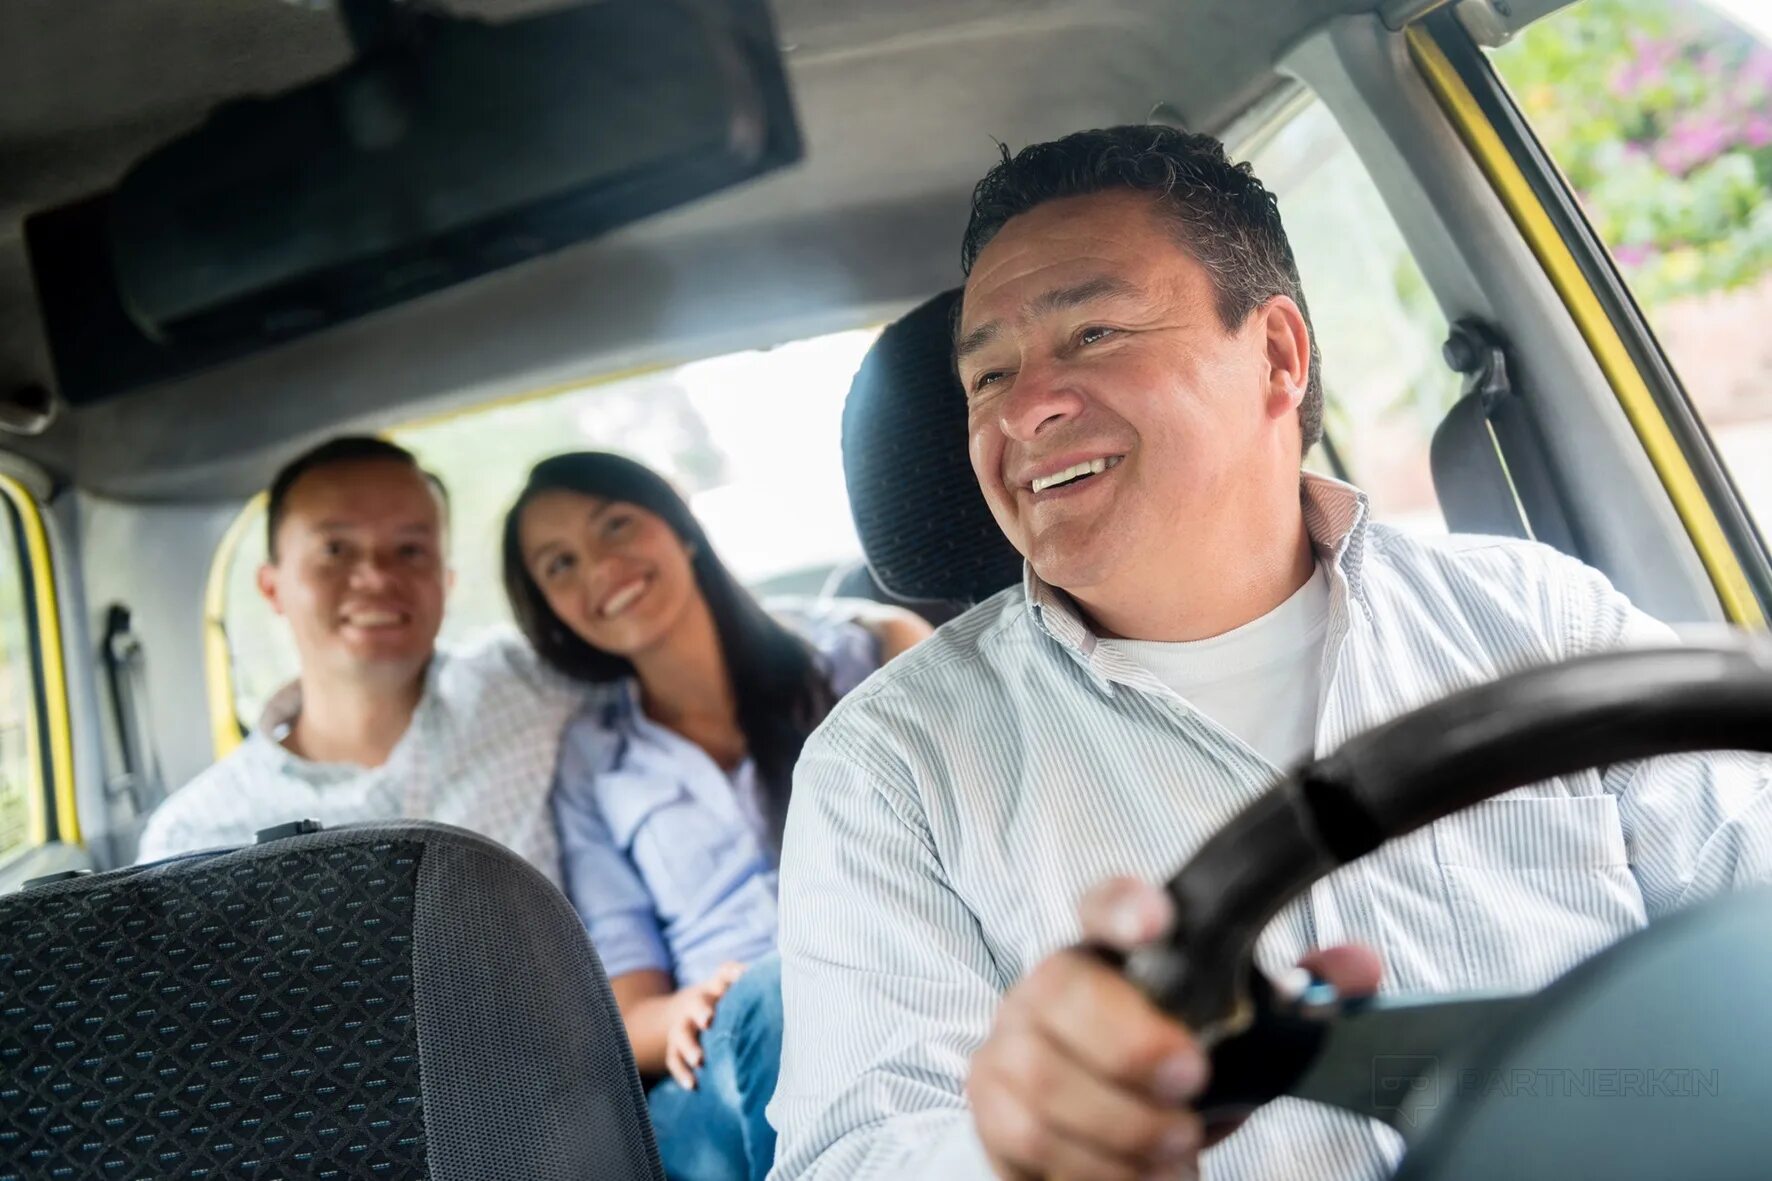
pixel 672 787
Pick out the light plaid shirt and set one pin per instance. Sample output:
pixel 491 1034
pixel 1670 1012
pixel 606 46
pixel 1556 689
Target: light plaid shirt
pixel 951 812
pixel 479 754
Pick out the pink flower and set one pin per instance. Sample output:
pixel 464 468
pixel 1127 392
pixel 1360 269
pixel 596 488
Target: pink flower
pixel 1633 76
pixel 1647 68
pixel 1631 255
pixel 1757 69
pixel 1692 141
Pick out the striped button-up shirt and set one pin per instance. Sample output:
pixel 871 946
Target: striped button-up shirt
pixel 952 811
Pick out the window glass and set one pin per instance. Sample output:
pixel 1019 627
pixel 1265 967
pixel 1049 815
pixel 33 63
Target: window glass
pixel 1659 112
pixel 1378 326
pixel 21 767
pixel 752 439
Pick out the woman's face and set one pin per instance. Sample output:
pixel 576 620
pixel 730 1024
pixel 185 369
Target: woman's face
pixel 613 572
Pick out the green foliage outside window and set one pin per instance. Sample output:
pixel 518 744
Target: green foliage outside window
pixel 1660 114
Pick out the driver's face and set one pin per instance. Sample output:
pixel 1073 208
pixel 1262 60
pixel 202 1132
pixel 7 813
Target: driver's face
pixel 1088 336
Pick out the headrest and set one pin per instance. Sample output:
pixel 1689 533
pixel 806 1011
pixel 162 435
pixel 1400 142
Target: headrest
pixel 924 525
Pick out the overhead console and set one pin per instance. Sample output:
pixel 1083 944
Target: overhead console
pixel 448 148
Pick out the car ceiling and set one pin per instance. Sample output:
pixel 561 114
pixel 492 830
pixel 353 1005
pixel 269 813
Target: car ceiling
pixel 901 106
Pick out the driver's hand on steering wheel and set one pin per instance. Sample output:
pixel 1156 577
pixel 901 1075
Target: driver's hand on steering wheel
pixel 1084 1079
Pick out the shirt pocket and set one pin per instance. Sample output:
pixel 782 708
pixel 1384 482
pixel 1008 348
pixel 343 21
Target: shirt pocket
pixel 670 838
pixel 1536 884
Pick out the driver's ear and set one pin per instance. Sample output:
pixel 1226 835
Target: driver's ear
pixel 269 587
pixel 1288 342
pixel 449 580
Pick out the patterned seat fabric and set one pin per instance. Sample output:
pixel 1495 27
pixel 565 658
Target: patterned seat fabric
pixel 389 1001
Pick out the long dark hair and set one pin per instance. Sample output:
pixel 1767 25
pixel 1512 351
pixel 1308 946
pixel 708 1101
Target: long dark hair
pixel 782 693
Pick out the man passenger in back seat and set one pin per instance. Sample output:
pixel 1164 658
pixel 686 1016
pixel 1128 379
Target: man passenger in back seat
pixel 1142 384
pixel 381 724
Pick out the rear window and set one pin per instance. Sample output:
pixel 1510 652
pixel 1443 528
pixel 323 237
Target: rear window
pixel 753 440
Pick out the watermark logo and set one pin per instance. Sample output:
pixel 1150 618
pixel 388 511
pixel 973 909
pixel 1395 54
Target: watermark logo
pixel 1592 1082
pixel 1405 1085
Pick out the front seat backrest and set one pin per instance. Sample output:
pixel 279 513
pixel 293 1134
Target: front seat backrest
pixel 857 581
pixel 923 523
pixel 382 1001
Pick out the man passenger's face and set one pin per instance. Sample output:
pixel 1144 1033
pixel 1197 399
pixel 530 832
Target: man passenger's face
pixel 1090 347
pixel 360 571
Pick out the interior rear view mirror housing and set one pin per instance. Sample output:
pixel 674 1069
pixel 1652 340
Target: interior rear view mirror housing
pixel 446 149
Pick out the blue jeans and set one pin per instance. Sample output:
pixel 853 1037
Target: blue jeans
pixel 718 1131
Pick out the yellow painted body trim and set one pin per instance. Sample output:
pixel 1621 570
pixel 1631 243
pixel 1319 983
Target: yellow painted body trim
pixel 218 662
pixel 51 659
pixel 1596 327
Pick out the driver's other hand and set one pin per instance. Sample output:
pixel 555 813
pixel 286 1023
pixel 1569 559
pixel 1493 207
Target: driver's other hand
pixel 1084 1079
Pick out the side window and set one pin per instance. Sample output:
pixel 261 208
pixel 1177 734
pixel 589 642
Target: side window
pixel 1378 327
pixel 752 439
pixel 25 803
pixel 1659 112
pixel 21 773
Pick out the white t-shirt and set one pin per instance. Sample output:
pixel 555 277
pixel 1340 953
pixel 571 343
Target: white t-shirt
pixel 1262 682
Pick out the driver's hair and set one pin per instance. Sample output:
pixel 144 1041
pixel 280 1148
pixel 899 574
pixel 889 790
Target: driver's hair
pixel 1223 216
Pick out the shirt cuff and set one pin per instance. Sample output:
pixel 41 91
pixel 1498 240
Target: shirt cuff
pixel 626 945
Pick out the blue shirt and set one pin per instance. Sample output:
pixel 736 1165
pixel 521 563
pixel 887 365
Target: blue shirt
pixel 949 814
pixel 664 854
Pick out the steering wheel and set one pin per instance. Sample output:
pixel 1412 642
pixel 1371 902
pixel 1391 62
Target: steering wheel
pixel 1652 1058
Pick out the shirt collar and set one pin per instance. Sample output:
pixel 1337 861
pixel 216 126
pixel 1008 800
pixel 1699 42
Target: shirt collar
pixel 659 754
pixel 284 707
pixel 620 703
pixel 1336 515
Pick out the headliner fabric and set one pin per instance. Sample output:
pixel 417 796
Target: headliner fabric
pixel 385 1001
pixel 923 523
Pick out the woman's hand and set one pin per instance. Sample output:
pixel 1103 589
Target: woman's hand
pixel 690 1012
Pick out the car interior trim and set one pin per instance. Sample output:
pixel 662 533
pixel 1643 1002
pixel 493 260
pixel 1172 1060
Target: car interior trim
pixel 54 729
pixel 1733 586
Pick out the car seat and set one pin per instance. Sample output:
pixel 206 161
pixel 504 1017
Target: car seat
pixel 925 529
pixel 394 1000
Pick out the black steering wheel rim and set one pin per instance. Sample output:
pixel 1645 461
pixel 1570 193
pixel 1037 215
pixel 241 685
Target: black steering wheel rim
pixel 1543 722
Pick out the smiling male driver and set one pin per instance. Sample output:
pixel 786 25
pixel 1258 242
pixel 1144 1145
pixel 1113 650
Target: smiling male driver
pixel 1197 615
pixel 381 724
